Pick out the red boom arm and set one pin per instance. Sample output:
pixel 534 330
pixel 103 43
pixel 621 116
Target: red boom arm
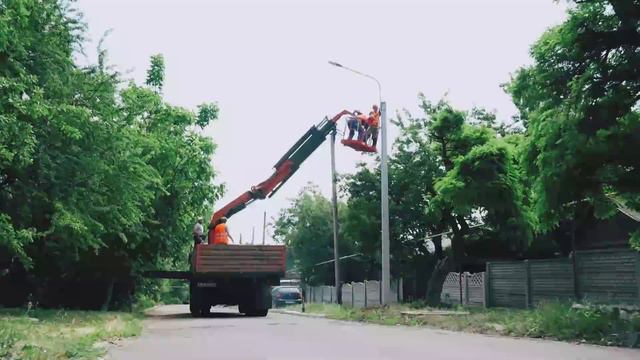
pixel 284 169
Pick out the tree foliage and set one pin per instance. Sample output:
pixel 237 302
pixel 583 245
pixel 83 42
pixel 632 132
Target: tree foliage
pixel 306 228
pixel 451 170
pixel 98 178
pixel 579 101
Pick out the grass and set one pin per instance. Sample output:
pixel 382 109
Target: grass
pixel 62 334
pixel 554 320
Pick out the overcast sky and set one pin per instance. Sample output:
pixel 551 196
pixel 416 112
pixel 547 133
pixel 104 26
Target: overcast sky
pixel 265 64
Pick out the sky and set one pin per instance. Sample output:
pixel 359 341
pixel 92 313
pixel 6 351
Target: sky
pixel 265 63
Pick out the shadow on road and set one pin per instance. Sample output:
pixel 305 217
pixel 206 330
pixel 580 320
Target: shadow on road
pixel 225 315
pixel 212 315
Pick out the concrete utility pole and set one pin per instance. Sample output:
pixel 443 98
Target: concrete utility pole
pixel 253 235
pixel 264 227
pixel 240 238
pixel 334 203
pixel 384 198
pixel 384 188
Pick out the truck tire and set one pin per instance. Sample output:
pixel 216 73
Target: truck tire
pixel 194 310
pixel 196 301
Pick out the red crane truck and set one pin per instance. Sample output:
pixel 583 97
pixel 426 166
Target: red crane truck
pixel 243 274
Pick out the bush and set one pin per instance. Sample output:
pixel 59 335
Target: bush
pixel 591 323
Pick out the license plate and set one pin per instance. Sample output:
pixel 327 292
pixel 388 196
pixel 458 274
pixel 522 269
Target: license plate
pixel 210 285
pixel 289 302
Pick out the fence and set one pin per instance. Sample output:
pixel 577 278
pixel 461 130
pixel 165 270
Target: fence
pixel 469 287
pixel 602 276
pixel 360 294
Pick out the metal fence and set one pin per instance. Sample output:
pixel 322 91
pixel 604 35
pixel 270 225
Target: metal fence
pixel 601 276
pixel 358 294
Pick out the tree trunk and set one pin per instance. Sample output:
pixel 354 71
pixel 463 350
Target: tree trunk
pixel 445 265
pixel 108 295
pixel 436 282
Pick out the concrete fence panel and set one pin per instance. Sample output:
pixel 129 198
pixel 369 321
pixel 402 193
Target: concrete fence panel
pixel 394 291
pixel 355 294
pixel 507 287
pixel 359 294
pixel 317 294
pixel 347 295
pixel 551 279
pixel 327 294
pixel 471 286
pixel 451 289
pixel 373 293
pixel 609 276
pixel 474 289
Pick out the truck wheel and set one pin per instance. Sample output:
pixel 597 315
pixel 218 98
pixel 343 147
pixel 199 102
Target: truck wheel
pixel 194 310
pixel 195 301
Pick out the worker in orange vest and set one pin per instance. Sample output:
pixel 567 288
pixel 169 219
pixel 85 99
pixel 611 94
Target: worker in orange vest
pixel 221 234
pixel 374 124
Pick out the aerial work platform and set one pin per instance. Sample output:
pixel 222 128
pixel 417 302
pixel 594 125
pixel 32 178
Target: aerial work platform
pixel 358 145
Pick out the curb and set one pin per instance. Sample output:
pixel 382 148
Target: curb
pixel 298 313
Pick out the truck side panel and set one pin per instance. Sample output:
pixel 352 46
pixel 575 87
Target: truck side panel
pixel 240 259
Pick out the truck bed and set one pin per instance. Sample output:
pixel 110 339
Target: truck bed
pixel 240 259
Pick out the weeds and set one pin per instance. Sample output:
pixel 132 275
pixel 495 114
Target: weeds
pixel 61 334
pixel 593 324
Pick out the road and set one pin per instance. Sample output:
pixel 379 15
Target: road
pixel 170 333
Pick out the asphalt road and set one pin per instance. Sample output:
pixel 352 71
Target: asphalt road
pixel 170 333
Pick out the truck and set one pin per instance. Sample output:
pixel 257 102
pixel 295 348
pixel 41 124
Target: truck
pixel 235 275
pixel 244 274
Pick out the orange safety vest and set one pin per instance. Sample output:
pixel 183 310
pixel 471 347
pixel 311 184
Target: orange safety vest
pixel 220 235
pixel 374 120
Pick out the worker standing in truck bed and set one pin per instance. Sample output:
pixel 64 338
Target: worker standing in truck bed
pixel 221 234
pixel 198 231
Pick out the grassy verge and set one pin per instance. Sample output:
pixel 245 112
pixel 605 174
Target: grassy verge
pixel 596 325
pixel 62 334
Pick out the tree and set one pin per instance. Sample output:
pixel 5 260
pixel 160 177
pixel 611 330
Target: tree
pixel 98 179
pixel 472 177
pixel 579 102
pixel 306 227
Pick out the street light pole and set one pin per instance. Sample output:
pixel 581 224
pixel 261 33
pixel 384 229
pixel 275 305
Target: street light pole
pixel 334 201
pixel 384 199
pixel 264 227
pixel 384 189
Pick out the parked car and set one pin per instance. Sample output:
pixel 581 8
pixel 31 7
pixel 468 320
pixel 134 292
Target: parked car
pixel 286 295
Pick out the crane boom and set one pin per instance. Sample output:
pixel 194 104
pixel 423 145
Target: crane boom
pixel 284 169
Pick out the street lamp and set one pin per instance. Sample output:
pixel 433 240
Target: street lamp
pixel 384 187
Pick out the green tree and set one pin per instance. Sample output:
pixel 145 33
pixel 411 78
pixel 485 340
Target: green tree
pixel 98 179
pixel 306 228
pixel 451 170
pixel 579 102
pixel 155 74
